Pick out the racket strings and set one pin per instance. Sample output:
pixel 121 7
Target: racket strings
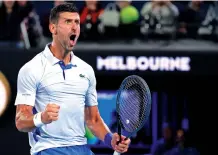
pixel 133 104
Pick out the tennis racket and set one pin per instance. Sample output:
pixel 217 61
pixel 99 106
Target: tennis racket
pixel 133 105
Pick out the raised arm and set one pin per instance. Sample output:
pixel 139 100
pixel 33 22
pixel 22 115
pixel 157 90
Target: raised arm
pixel 24 118
pixel 26 121
pixel 25 99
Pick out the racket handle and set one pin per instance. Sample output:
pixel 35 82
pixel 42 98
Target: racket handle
pixel 116 153
pixel 120 140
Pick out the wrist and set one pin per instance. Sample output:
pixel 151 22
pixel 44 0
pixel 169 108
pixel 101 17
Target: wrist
pixel 37 119
pixel 108 138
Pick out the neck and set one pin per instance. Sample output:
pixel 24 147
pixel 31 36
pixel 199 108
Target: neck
pixel 195 7
pixel 59 52
pixel 9 10
pixel 181 145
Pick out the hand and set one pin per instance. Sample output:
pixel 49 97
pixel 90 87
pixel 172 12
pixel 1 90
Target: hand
pixel 122 146
pixel 50 114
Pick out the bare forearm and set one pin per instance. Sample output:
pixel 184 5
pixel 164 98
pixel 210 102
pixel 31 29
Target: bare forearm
pixel 98 128
pixel 24 122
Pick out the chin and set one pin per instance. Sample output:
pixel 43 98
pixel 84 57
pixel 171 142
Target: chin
pixel 70 48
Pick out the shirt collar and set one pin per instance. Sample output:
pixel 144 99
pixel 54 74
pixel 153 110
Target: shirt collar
pixel 53 60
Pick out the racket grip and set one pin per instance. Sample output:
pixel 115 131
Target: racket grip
pixel 120 140
pixel 116 153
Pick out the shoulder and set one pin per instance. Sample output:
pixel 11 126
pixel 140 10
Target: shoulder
pixel 84 65
pixel 34 66
pixel 173 151
pixel 174 8
pixel 147 5
pixel 158 143
pixel 193 151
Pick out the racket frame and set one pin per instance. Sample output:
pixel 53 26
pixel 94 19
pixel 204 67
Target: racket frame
pixel 119 124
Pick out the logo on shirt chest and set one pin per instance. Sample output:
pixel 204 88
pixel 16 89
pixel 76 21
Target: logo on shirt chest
pixel 82 75
pixel 79 82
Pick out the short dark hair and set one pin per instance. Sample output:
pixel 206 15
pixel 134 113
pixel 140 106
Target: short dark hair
pixel 66 7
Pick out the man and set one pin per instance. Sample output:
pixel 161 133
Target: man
pixel 159 16
pixel 57 94
pixel 189 26
pixel 184 145
pixel 165 143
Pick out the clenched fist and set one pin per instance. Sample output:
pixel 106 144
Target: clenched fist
pixel 121 147
pixel 50 114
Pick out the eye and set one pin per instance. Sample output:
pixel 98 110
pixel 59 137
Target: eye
pixel 68 22
pixel 77 22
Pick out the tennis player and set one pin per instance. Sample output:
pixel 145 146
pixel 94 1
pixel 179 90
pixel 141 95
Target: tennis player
pixel 56 94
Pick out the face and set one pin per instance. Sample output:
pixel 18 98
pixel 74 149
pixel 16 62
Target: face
pixel 91 4
pixel 58 2
pixel 180 135
pixel 122 4
pixel 161 2
pixel 197 2
pixel 9 4
pixel 167 133
pixel 67 30
pixel 22 3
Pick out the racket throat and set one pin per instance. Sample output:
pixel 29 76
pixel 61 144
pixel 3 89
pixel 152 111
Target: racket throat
pixel 119 132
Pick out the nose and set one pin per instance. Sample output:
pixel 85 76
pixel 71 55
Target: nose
pixel 74 27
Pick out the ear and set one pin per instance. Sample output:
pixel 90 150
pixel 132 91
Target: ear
pixel 53 28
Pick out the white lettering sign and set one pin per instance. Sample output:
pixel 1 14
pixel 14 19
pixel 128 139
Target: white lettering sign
pixel 143 63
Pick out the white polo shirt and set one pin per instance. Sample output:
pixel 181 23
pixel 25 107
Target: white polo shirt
pixel 42 81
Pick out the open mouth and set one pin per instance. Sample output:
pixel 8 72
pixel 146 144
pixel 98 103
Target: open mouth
pixel 72 40
pixel 73 37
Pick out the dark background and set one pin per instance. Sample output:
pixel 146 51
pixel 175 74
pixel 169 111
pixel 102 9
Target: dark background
pixel 175 95
pixel 199 86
